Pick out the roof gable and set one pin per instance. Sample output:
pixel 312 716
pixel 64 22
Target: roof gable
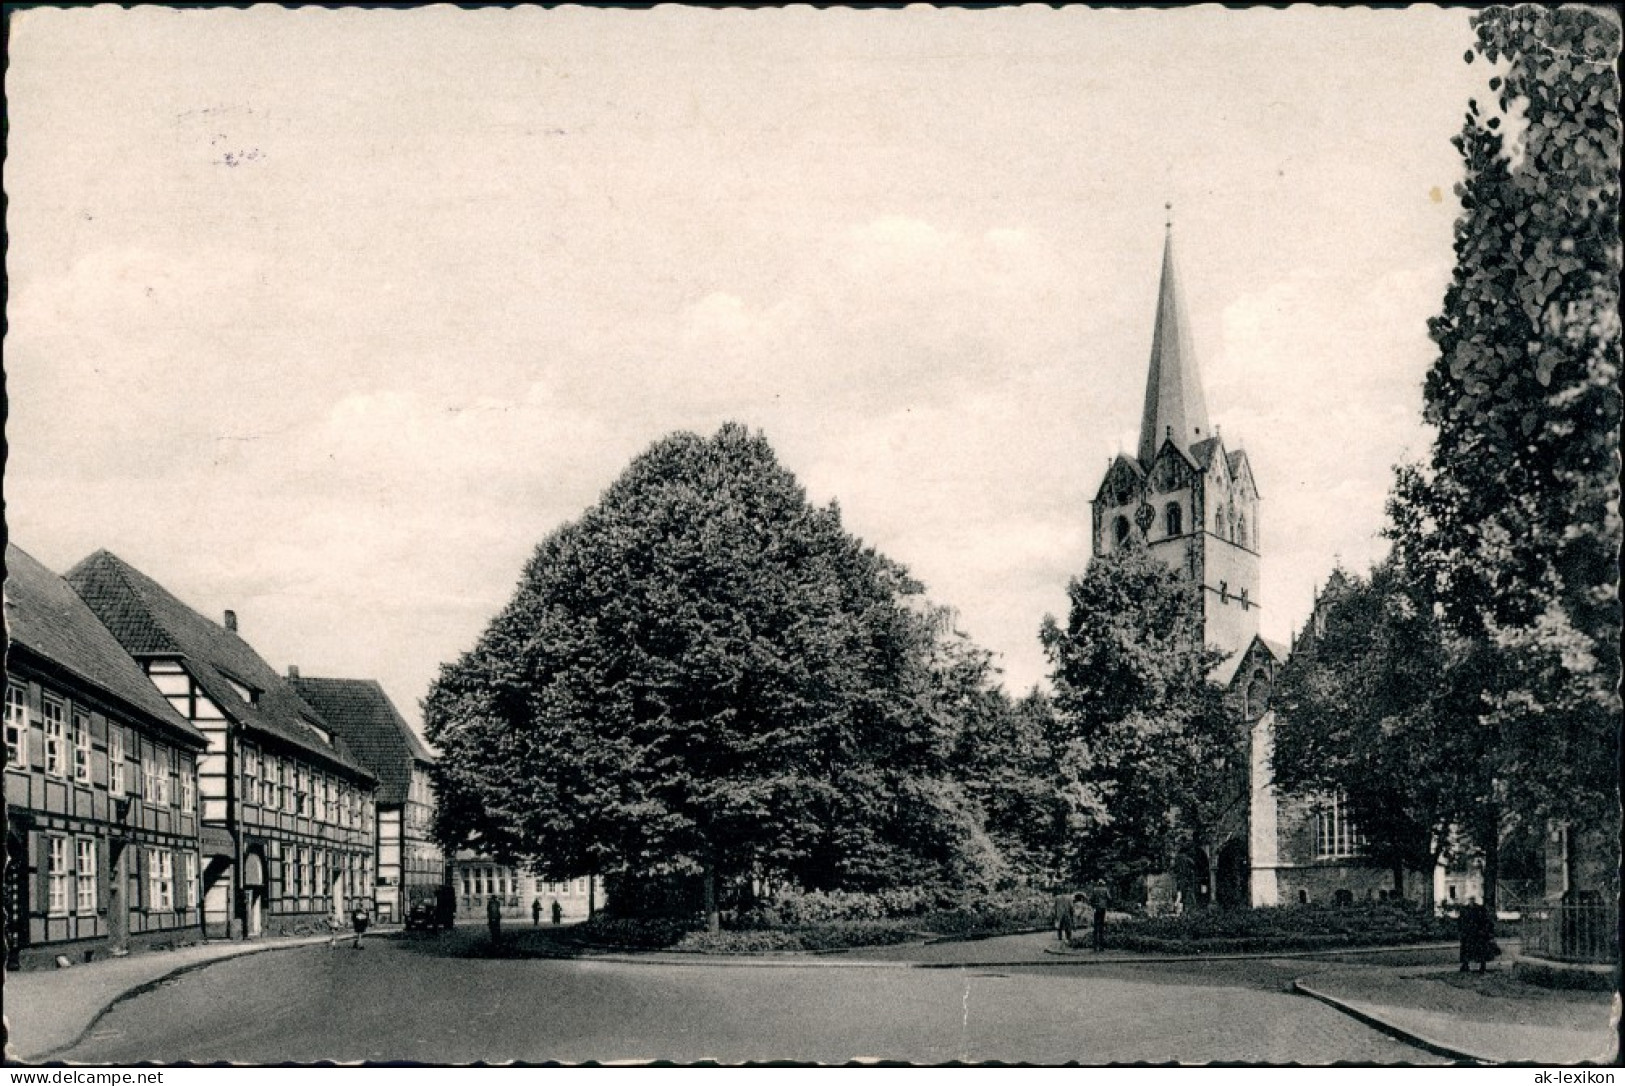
pixel 1122 482
pixel 149 620
pixel 45 616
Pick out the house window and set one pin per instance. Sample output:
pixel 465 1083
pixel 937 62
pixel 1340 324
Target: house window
pixel 247 787
pixel 84 876
pixel 268 783
pixel 1120 530
pixel 188 797
pixel 81 747
pixel 1173 519
pixel 160 879
pixel 55 741
pixel 189 876
pixel 16 727
pixel 1336 836
pixel 56 873
pixel 288 789
pixel 157 767
pixel 115 760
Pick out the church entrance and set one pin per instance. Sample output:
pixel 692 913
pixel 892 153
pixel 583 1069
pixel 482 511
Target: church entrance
pixel 1232 880
pixel 1201 879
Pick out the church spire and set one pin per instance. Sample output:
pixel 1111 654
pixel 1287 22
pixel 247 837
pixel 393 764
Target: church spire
pixel 1173 389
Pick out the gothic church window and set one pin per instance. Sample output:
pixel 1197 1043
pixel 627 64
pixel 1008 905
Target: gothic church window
pixel 1173 519
pixel 1120 530
pixel 1241 530
pixel 1336 836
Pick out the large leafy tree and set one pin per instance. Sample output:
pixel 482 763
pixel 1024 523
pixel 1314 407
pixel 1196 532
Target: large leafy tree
pixel 1379 703
pixel 1008 764
pixel 705 678
pixel 1148 757
pixel 1512 525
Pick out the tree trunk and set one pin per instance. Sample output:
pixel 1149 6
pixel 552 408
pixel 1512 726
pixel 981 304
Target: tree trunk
pixel 1492 861
pixel 1399 880
pixel 713 918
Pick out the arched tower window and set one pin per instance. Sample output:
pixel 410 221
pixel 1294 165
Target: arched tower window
pixel 1173 519
pixel 1241 529
pixel 1120 530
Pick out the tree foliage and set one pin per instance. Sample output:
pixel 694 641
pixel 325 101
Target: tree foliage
pixel 1378 703
pixel 1148 757
pixel 707 676
pixel 1512 526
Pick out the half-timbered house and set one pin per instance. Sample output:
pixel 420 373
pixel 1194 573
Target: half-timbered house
pixel 286 810
pixel 101 786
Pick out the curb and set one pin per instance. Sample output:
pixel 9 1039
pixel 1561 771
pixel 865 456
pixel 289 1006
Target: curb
pixel 824 959
pixel 152 983
pixel 1382 1025
pixel 1088 958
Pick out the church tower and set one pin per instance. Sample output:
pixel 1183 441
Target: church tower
pixel 1187 497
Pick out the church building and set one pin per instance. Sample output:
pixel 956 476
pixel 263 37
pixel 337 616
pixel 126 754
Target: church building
pixel 1195 504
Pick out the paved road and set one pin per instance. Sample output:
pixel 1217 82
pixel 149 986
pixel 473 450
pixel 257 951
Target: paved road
pixel 401 1000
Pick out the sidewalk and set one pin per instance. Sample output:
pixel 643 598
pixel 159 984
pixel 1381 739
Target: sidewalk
pixel 1490 1018
pixel 47 1010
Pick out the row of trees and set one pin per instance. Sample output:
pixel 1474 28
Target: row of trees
pixel 1471 680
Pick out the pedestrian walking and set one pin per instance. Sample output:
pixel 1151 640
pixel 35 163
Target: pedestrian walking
pixel 1064 916
pixel 558 912
pixel 536 913
pixel 493 917
pixel 1100 899
pixel 359 921
pixel 1476 927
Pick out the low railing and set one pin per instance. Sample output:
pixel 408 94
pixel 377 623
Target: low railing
pixel 1572 933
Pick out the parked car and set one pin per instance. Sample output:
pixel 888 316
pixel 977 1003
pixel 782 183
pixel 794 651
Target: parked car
pixel 423 916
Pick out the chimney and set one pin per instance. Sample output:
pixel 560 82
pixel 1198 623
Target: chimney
pixel 231 621
pixel 293 671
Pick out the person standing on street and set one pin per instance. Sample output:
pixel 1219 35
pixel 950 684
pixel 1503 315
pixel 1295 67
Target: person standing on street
pixel 359 921
pixel 1477 930
pixel 558 912
pixel 536 913
pixel 493 917
pixel 1064 917
pixel 1101 899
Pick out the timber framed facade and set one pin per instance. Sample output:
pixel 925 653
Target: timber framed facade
pixel 409 864
pixel 102 850
pixel 286 817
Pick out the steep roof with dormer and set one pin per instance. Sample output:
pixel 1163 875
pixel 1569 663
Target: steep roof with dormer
pixel 45 617
pixel 360 712
pixel 150 621
pixel 1174 404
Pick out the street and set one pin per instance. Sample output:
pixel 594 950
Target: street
pixel 411 999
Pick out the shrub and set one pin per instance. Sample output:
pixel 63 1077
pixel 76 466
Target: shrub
pixel 739 942
pixel 643 933
pixel 1289 927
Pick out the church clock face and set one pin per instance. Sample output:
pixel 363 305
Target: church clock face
pixel 1144 516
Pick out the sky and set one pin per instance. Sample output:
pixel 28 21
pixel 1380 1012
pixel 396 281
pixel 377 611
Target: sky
pixel 329 317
